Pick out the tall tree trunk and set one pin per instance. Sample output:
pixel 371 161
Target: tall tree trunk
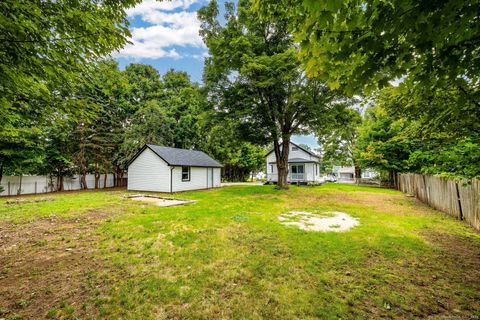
pixel 83 181
pixel 119 177
pixel 97 176
pixel 105 180
pixel 19 191
pixel 391 178
pixel 60 186
pixel 358 174
pixel 1 172
pixel 281 155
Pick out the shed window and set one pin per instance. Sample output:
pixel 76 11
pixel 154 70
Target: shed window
pixel 185 173
pixel 294 148
pixel 271 168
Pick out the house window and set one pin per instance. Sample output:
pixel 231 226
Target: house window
pixel 271 168
pixel 185 173
pixel 296 172
pixel 294 148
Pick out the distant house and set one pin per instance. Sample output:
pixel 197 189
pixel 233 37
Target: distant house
pixel 303 165
pixel 347 174
pixel 165 169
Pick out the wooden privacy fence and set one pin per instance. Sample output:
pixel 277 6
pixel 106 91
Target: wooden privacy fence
pixel 459 199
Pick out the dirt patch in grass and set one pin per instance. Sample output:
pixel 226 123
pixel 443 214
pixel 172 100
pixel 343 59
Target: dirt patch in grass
pixel 49 267
pixel 328 221
pixel 159 201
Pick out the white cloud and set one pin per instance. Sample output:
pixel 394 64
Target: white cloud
pixel 169 27
pixel 152 5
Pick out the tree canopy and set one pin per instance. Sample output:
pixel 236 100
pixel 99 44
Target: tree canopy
pixel 365 44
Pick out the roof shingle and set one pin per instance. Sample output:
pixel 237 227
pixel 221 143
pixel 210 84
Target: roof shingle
pixel 183 157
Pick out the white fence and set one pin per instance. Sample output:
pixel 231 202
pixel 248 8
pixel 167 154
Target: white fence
pixel 14 185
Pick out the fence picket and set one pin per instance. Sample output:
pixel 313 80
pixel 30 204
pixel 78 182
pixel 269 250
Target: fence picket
pixel 461 200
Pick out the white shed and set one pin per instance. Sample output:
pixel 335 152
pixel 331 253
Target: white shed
pixel 165 169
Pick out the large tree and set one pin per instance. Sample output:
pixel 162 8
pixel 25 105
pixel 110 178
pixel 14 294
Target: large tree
pixel 253 74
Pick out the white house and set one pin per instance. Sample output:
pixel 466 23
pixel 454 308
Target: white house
pixel 303 165
pixel 165 169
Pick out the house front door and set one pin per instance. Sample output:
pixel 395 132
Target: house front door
pixel 297 172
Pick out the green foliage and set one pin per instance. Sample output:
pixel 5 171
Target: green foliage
pixel 365 44
pixel 239 157
pixel 168 110
pixel 45 43
pixel 402 132
pixel 338 137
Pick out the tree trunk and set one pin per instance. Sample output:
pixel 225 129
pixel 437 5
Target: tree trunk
pixel 60 186
pixel 83 181
pixel 19 191
pixel 105 180
pixel 97 176
pixel 358 174
pixel 119 181
pixel 97 179
pixel 391 178
pixel 281 155
pixel 1 172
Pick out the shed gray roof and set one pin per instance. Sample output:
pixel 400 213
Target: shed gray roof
pixel 181 157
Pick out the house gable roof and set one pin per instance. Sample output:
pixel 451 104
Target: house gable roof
pixel 180 157
pixel 297 160
pixel 303 149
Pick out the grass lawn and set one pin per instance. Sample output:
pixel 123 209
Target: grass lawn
pixel 98 255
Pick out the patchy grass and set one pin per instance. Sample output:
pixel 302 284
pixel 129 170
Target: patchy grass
pixel 97 255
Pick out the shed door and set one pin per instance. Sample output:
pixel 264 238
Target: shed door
pixel 209 177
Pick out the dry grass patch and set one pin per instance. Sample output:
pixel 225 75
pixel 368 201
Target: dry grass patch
pixel 50 267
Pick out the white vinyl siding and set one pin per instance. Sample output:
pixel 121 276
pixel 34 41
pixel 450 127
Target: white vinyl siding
pixel 217 172
pixel 312 171
pixel 148 172
pixel 198 179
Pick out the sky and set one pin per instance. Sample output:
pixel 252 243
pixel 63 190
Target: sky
pixel 165 35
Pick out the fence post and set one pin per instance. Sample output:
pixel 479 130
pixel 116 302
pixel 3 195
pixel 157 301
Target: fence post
pixel 35 187
pixel 8 187
pixel 459 201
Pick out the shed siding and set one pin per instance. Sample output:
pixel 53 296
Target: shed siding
pixel 216 177
pixel 149 173
pixel 198 179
